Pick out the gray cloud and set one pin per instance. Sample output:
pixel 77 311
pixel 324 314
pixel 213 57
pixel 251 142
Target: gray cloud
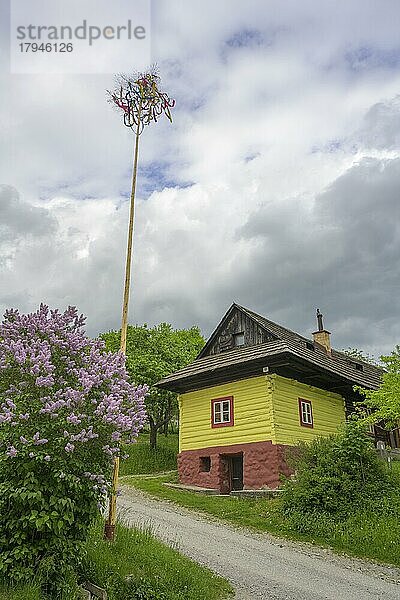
pixel 381 126
pixel 342 257
pixel 18 218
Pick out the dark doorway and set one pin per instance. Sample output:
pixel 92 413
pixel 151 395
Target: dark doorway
pixel 237 472
pixel 231 473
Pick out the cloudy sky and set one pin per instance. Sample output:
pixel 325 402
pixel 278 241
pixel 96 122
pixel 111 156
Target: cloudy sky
pixel 277 185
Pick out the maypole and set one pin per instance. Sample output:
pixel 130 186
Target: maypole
pixel 141 102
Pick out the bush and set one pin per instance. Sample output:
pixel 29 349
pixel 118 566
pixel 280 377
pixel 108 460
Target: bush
pixel 336 474
pixel 65 406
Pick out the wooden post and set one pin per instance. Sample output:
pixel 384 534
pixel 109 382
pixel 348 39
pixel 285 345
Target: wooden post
pixel 124 322
pixel 141 102
pixel 109 529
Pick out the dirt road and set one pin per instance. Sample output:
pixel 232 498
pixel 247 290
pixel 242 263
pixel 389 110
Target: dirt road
pixel 258 565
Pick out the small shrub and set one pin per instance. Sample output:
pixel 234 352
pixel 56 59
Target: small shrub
pixel 335 474
pixel 65 406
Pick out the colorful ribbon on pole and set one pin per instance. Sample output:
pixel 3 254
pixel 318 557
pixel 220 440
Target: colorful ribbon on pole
pixel 141 101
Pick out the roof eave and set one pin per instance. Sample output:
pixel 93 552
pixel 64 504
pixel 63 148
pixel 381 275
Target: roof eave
pixel 224 373
pixel 251 368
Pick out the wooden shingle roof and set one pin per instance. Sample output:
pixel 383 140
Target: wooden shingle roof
pixel 288 349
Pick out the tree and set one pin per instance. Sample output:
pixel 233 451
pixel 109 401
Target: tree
pixel 66 405
pixel 383 404
pixel 151 354
pixel 360 355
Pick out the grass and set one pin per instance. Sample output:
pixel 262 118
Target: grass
pixel 142 459
pixel 394 466
pixel 137 566
pixel 365 534
pixel 28 592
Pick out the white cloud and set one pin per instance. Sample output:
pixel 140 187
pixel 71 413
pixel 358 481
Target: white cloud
pixel 289 138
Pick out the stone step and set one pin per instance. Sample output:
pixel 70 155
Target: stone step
pixel 193 488
pixel 263 493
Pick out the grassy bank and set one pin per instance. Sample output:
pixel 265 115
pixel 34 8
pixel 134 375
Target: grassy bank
pixel 137 566
pixel 23 593
pixel 142 459
pixel 364 534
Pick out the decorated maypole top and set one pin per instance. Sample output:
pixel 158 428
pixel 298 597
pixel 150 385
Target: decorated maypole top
pixel 141 100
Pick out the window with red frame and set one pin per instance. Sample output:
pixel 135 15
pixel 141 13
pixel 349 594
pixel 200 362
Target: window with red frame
pixel 222 412
pixel 306 414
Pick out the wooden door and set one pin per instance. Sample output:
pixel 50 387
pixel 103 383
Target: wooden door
pixel 236 472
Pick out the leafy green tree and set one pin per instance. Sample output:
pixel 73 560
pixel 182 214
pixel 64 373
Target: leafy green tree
pixel 151 354
pixel 383 404
pixel 360 355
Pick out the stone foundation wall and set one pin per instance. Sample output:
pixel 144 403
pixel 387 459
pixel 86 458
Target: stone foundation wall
pixel 263 462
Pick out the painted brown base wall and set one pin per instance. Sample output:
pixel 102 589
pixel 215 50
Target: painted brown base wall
pixel 263 463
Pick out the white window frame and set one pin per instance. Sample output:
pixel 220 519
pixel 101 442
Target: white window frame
pixel 306 413
pixel 222 412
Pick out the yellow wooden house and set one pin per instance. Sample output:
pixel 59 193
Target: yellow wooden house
pixel 255 390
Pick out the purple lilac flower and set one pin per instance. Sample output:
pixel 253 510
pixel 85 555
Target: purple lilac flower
pixel 107 450
pixel 12 451
pixel 73 419
pixel 47 381
pixel 86 390
pixel 38 441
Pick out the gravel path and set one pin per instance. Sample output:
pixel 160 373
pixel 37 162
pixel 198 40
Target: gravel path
pixel 258 565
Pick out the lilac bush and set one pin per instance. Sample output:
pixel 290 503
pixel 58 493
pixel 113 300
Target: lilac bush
pixel 66 405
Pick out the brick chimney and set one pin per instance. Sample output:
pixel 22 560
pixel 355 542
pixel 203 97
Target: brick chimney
pixel 322 337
